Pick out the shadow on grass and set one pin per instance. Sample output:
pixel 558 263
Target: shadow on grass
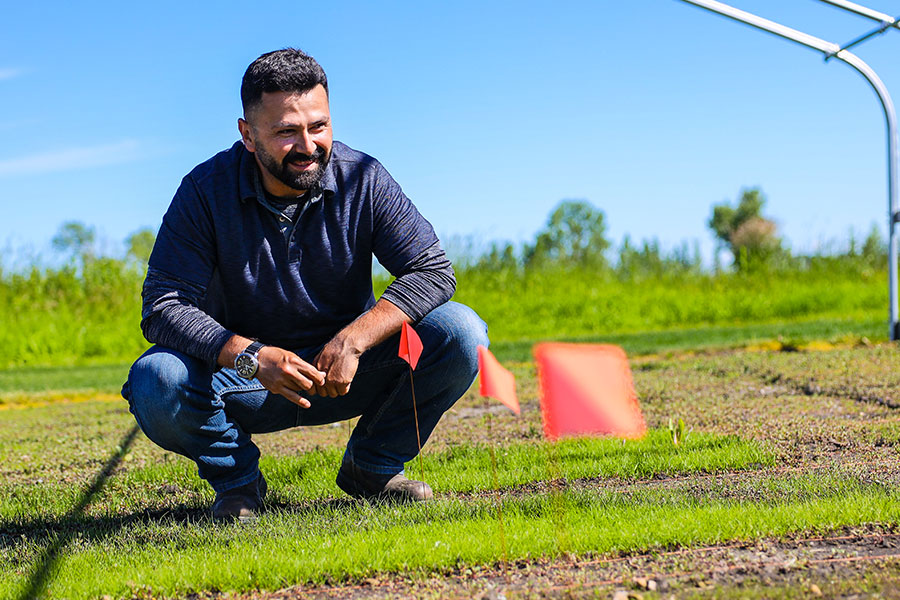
pixel 40 577
pixel 56 532
pixel 60 531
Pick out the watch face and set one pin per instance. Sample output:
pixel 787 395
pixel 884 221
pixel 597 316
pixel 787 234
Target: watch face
pixel 245 365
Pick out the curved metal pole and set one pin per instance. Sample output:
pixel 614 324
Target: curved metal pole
pixel 890 116
pixel 833 50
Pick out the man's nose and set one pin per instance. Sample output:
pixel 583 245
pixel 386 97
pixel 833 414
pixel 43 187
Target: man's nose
pixel 304 144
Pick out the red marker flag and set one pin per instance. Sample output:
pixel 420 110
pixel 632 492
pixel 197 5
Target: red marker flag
pixel 410 345
pixel 587 389
pixel 496 381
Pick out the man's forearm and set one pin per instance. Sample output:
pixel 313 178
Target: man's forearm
pixel 371 328
pixel 234 346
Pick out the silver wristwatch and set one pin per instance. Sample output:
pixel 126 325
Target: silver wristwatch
pixel 247 362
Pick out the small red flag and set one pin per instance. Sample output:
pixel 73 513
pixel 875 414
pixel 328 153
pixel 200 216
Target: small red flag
pixel 496 381
pixel 410 345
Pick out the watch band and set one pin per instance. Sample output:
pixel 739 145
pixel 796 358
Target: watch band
pixel 254 348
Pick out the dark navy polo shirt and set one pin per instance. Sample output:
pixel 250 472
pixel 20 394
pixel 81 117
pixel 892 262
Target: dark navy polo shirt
pixel 223 262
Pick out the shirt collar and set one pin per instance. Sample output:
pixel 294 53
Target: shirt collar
pixel 250 186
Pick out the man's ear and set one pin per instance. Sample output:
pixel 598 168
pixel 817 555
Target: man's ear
pixel 246 135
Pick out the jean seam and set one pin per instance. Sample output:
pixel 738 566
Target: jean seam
pixel 235 389
pixel 390 400
pixel 238 482
pixel 378 469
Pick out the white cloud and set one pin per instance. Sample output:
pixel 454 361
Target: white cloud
pixel 67 159
pixel 9 73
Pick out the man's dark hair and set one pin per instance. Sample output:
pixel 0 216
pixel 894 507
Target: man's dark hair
pixel 286 70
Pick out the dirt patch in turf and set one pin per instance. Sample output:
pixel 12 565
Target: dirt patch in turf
pixel 833 407
pixel 855 562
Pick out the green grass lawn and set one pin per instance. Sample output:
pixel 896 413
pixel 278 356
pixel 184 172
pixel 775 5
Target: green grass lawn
pixel 777 443
pixel 122 543
pixel 337 542
pixel 93 317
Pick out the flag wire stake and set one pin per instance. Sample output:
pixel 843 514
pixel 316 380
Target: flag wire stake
pixel 557 499
pixel 416 418
pixel 497 501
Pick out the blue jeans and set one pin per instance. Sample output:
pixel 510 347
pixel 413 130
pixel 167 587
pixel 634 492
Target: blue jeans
pixel 184 406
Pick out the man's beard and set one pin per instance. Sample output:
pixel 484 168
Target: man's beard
pixel 299 181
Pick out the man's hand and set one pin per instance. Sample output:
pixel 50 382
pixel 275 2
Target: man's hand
pixel 280 372
pixel 339 361
pixel 283 372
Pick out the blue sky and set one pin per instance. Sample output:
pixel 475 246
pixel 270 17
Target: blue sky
pixel 488 114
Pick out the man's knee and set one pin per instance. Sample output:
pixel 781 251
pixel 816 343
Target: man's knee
pixel 157 389
pixel 462 331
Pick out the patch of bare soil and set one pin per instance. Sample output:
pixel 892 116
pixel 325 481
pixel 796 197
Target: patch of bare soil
pixel 853 563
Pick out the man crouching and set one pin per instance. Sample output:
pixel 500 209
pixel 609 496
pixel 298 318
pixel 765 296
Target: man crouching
pixel 259 299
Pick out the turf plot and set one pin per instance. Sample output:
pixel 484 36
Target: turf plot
pixel 777 444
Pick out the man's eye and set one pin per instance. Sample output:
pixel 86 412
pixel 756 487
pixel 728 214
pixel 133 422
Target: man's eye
pixel 286 132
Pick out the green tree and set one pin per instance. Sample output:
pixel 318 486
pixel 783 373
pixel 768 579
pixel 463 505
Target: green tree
pixel 140 244
pixel 77 240
pixel 502 256
pixel 575 235
pixel 751 237
pixel 874 250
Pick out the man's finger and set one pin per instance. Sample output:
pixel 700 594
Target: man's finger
pixel 327 390
pixel 313 374
pixel 295 397
pixel 300 380
pixel 339 388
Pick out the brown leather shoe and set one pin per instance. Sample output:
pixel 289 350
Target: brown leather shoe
pixel 375 486
pixel 241 503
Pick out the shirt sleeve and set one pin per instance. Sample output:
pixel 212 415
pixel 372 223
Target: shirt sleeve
pixel 186 243
pixel 171 317
pixel 427 283
pixel 172 313
pixel 405 244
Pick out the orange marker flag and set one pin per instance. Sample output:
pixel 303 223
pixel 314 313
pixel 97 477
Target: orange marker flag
pixel 410 351
pixel 410 345
pixel 496 381
pixel 587 389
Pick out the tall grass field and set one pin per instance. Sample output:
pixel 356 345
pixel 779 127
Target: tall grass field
pixel 88 315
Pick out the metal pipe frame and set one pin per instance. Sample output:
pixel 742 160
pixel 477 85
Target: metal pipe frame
pixel 886 21
pixel 830 50
pixel 863 11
